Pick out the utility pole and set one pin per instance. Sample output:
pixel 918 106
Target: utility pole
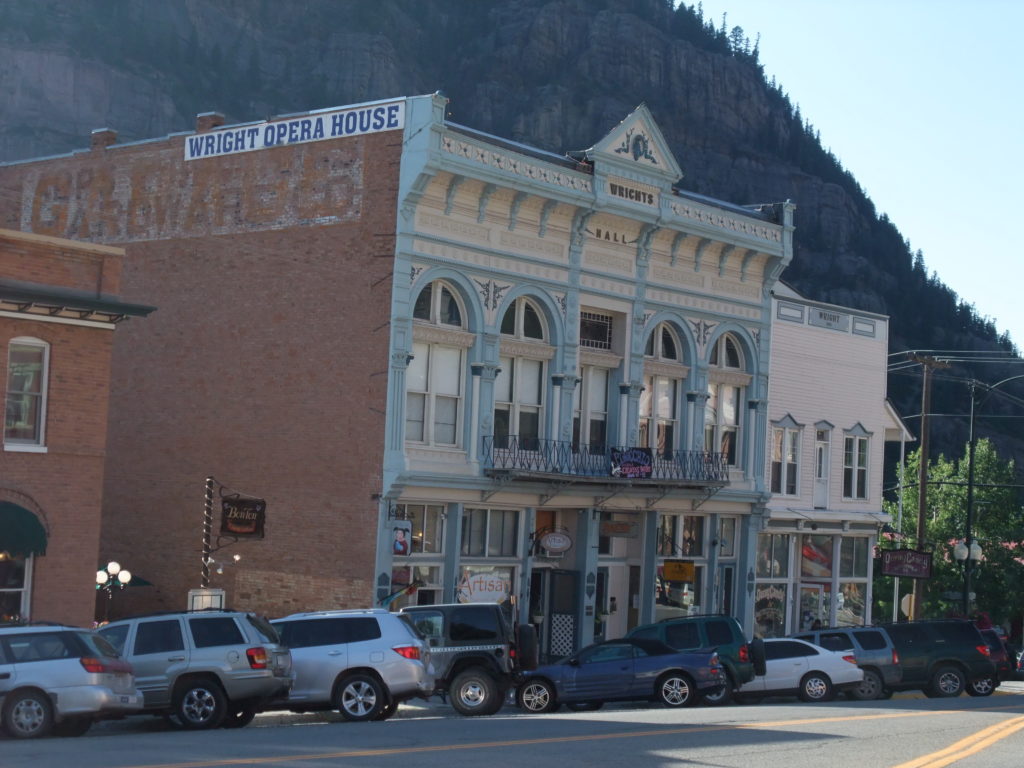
pixel 927 364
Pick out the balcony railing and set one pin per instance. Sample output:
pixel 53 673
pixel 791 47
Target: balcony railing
pixel 560 457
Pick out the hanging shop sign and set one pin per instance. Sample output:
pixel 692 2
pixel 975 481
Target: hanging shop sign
pixel 907 562
pixel 555 542
pixel 678 570
pixel 631 462
pixel 242 517
pixel 317 126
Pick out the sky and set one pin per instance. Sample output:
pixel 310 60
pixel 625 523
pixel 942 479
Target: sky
pixel 922 101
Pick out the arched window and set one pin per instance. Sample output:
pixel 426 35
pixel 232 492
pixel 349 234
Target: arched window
pixel 727 385
pixel 520 385
pixel 435 376
pixel 664 373
pixel 25 411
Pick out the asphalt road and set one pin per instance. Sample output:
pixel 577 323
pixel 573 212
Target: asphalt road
pixel 909 731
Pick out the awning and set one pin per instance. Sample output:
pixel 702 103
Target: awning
pixel 21 533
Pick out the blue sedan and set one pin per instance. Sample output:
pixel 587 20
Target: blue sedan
pixel 629 669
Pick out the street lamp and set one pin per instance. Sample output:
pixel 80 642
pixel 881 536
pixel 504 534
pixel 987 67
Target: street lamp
pixel 110 578
pixel 967 556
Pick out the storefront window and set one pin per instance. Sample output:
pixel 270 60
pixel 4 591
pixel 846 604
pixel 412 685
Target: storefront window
pixel 850 604
pixel 816 557
pixel 678 598
pixel 680 535
pixel 770 610
pixel 414 585
pixel 485 584
pixel 667 527
pixel 490 532
pixel 427 526
pixel 13 587
pixel 727 537
pixel 853 557
pixel 773 556
pixel 693 536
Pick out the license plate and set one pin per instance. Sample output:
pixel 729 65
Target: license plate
pixel 126 699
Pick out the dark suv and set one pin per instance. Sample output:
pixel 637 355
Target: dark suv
pixel 875 654
pixel 741 660
pixel 478 652
pixel 940 657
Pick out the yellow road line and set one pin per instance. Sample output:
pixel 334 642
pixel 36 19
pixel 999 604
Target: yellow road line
pixel 564 739
pixel 968 746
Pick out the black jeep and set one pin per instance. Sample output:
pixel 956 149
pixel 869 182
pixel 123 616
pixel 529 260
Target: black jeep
pixel 478 652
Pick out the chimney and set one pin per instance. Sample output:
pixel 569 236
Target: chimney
pixel 103 138
pixel 207 121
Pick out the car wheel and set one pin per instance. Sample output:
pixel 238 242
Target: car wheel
pixel 986 686
pixel 27 714
pixel 947 682
pixel 360 698
pixel 474 692
pixel 200 704
pixel 676 689
pixel 387 711
pixel 722 697
pixel 584 706
pixel 815 687
pixel 537 696
pixel 73 726
pixel 870 687
pixel 239 717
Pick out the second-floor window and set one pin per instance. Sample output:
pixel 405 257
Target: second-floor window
pixel 519 387
pixel 659 402
pixel 25 412
pixel 785 460
pixel 727 382
pixel 590 409
pixel 855 467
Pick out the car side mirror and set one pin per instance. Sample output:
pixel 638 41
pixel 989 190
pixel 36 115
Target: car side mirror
pixel 573 662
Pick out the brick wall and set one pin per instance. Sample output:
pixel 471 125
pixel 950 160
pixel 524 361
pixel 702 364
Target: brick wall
pixel 265 365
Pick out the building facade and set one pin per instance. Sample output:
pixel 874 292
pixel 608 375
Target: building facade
pixel 59 306
pixel 454 367
pixel 829 421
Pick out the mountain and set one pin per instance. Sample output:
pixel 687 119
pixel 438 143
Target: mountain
pixel 556 74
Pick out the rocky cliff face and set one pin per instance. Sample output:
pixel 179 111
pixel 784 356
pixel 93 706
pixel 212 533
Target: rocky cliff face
pixel 557 74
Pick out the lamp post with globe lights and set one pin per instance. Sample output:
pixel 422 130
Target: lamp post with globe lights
pixel 110 578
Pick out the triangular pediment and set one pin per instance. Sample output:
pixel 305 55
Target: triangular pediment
pixel 636 149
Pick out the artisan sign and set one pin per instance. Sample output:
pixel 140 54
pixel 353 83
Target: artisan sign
pixel 242 517
pixel 631 462
pixel 353 121
pixel 907 562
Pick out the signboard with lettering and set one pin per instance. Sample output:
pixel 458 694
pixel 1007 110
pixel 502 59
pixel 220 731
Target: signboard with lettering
pixel 631 462
pixel 620 528
pixel 242 517
pixel 678 570
pixel 907 562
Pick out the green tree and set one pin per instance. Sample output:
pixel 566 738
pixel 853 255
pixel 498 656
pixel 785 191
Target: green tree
pixel 998 580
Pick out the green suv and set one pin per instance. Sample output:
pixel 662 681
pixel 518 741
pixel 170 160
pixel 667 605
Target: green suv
pixel 741 660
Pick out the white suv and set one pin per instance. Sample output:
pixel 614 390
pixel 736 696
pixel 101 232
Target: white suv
pixel 360 662
pixel 61 679
pixel 204 668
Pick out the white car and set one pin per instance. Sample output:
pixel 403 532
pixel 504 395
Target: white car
pixel 809 671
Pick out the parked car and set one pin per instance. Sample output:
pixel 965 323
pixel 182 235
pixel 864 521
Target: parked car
pixel 1005 663
pixel 61 679
pixel 361 662
pixel 875 654
pixel 740 659
pixel 809 671
pixel 941 657
pixel 629 669
pixel 478 650
pixel 204 668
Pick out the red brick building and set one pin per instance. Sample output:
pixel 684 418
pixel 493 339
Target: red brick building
pixel 267 364
pixel 58 310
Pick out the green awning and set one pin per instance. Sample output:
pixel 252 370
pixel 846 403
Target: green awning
pixel 21 533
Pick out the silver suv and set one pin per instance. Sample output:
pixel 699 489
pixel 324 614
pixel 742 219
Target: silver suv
pixel 361 662
pixel 60 679
pixel 204 668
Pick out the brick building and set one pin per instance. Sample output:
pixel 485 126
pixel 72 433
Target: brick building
pixel 58 309
pixel 548 372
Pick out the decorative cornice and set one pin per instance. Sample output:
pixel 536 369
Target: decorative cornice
pixel 720 219
pixel 528 349
pixel 676 242
pixel 733 378
pixel 450 337
pixel 485 196
pixel 516 165
pixel 453 188
pixel 599 358
pixel 661 368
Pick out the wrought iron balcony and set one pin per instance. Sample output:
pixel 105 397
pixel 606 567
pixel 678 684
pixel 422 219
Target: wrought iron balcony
pixel 540 457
